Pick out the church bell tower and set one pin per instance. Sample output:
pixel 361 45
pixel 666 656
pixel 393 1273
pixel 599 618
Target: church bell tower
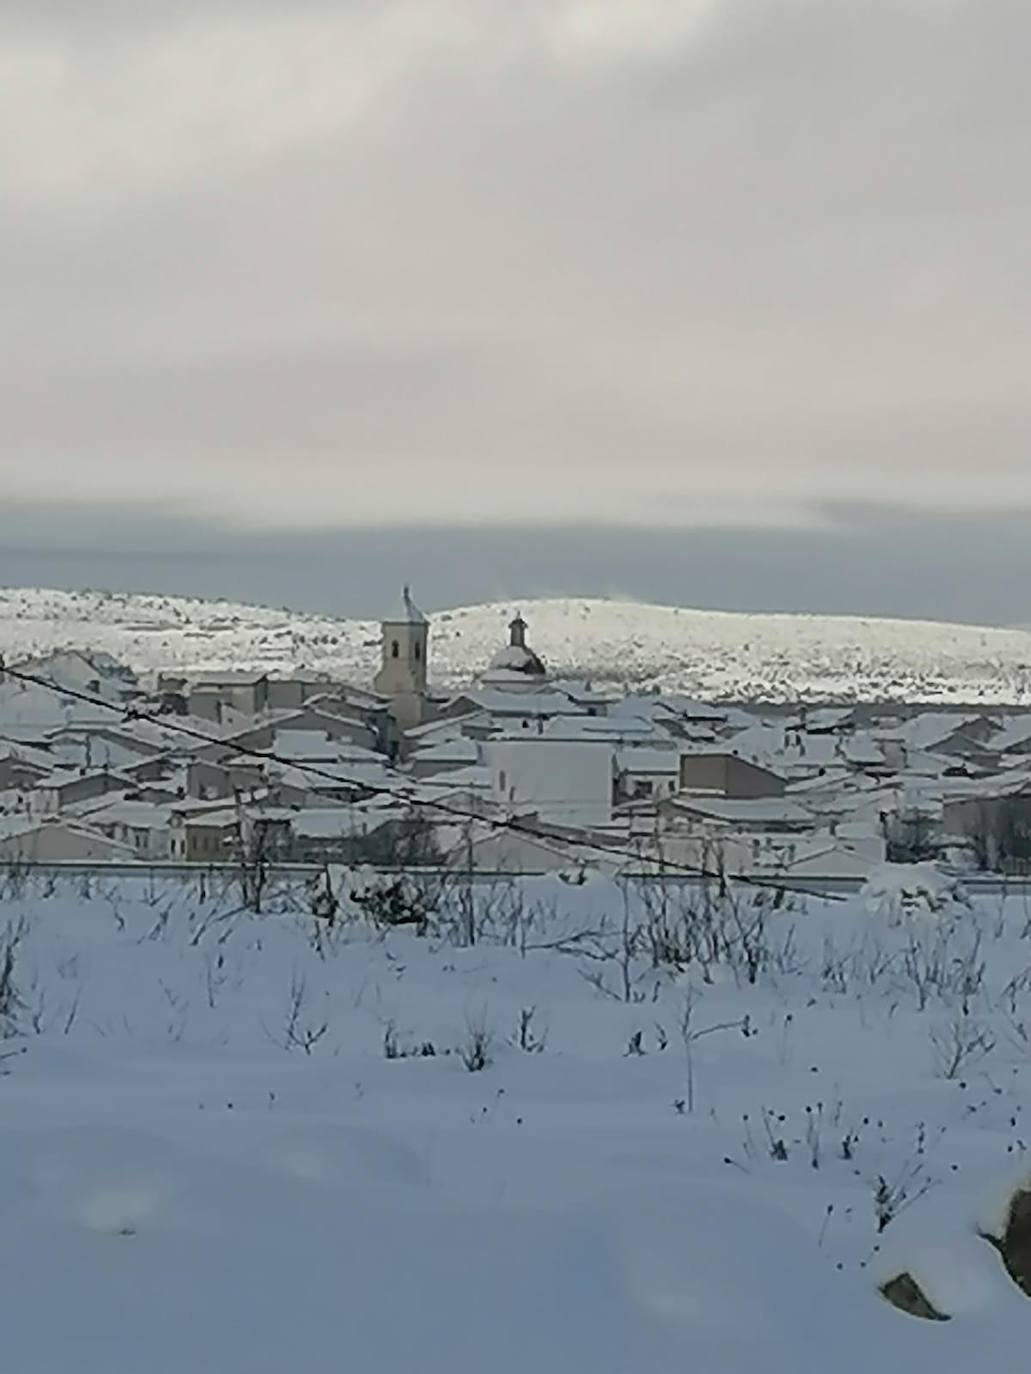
pixel 403 665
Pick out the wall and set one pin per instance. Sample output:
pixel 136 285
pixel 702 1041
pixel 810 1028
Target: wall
pixel 563 783
pixel 211 781
pixel 728 776
pixel 208 844
pixel 55 843
pixel 147 842
pixel 999 829
pixel 404 672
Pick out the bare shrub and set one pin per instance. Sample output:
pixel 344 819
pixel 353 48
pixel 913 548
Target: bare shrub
pixel 527 1038
pixel 393 1049
pixel 691 1034
pixel 892 1196
pixel 474 1051
pixel 959 1044
pixel 300 1030
pixel 14 878
pixel 323 901
pixel 12 1003
pixel 394 901
pixel 253 852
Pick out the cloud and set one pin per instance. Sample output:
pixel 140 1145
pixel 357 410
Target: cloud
pixel 438 260
pixel 866 560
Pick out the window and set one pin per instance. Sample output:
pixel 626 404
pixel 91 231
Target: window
pixel 395 650
pixel 503 780
pixel 418 651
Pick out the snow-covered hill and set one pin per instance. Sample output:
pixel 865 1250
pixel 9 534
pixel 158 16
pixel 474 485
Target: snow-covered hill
pixel 709 654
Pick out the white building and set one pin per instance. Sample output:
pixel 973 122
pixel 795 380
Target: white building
pixel 562 783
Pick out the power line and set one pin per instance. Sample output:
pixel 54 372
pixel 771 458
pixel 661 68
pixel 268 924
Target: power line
pixel 511 824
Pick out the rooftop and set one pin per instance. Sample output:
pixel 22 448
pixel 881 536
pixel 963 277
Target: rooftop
pixel 407 612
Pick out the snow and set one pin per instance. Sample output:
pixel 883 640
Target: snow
pixel 513 658
pixel 895 888
pixel 194 1177
pixel 705 654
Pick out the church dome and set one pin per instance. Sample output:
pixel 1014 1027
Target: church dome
pixel 516 657
pixel 515 660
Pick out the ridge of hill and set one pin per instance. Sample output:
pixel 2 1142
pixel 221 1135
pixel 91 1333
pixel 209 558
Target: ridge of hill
pixel 706 654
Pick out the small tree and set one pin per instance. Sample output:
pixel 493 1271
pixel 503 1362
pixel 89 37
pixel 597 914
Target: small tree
pixel 11 1001
pixel 253 852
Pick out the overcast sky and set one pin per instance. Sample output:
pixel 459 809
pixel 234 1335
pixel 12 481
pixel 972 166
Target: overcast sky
pixel 732 268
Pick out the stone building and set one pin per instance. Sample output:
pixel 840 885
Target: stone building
pixel 403 669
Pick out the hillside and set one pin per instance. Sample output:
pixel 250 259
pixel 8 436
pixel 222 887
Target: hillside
pixel 708 654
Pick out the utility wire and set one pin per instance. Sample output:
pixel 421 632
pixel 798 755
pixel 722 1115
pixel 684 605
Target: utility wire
pixel 511 824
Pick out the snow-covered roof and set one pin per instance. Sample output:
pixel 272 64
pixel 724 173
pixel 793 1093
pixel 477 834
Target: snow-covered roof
pixel 28 754
pixel 452 747
pixel 1014 733
pixel 315 746
pixel 757 743
pixel 221 819
pixel 828 717
pixel 584 693
pixel 543 702
pixel 323 777
pixel 69 776
pixel 448 727
pixel 774 810
pixel 829 783
pixel 142 815
pixel 475 775
pixel 591 729
pixel 1012 782
pixel 829 860
pixel 515 658
pixel 229 678
pixel 930 728
pixel 645 761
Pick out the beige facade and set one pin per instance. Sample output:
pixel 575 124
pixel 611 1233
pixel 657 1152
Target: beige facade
pixel 203 839
pixel 58 842
pixel 243 692
pixel 402 676
pixel 211 781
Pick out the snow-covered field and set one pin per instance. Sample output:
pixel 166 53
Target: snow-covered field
pixel 706 653
pixel 243 1144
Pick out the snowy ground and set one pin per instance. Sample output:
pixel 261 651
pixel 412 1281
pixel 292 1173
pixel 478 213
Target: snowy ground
pixel 233 1142
pixel 705 653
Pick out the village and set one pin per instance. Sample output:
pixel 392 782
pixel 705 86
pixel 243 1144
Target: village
pixel 517 773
